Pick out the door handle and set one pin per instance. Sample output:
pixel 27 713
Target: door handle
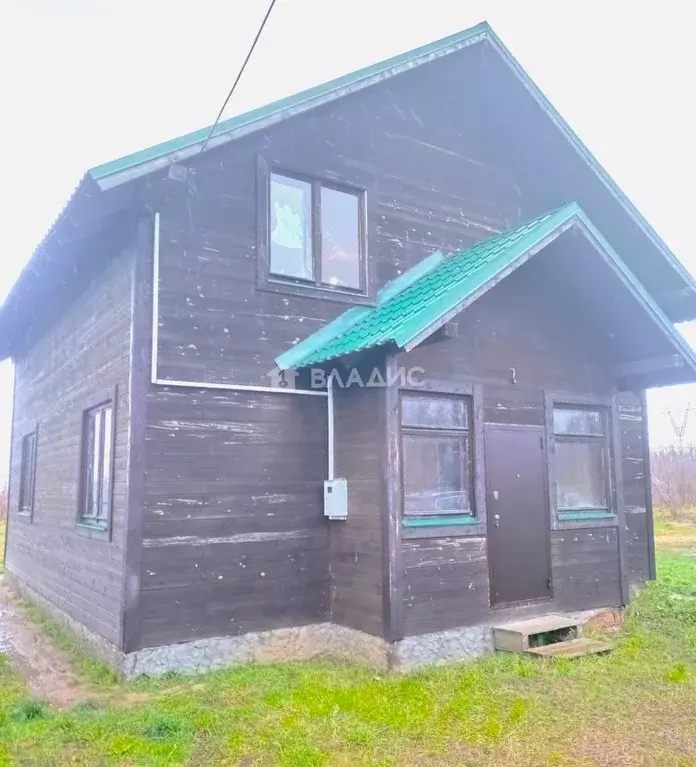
pixel 496 520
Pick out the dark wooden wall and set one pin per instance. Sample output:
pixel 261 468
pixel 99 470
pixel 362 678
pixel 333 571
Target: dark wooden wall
pixel 84 356
pixel 585 567
pixel 357 544
pixel 445 583
pixel 234 538
pixel 225 465
pixel 229 534
pixel 432 180
pixel 525 323
pixel 635 469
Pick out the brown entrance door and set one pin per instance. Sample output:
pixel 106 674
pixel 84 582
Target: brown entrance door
pixel 518 517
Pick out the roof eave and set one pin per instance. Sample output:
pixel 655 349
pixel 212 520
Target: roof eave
pixel 590 160
pixel 652 307
pixel 141 163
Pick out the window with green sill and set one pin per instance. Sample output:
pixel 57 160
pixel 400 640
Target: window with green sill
pixel 97 466
pixel 436 460
pixel 581 464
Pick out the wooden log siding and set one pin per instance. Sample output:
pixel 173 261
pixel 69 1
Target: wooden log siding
pixel 226 464
pixel 522 324
pixel 392 140
pixel 85 355
pixel 585 565
pixel 445 583
pixel 234 534
pixel 633 447
pixel 357 546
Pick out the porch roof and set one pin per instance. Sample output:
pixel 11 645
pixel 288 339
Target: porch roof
pixel 420 301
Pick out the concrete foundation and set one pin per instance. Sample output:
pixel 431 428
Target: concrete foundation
pixel 442 647
pixel 322 640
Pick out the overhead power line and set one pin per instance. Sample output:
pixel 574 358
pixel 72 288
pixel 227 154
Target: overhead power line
pixel 239 75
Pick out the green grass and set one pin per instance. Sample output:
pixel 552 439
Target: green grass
pixel 635 707
pixel 2 545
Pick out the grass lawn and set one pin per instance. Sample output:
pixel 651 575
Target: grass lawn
pixel 2 546
pixel 635 707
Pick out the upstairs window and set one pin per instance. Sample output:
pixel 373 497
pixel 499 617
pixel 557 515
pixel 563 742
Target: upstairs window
pixel 315 234
pixel 581 460
pixel 27 474
pixel 97 466
pixel 437 456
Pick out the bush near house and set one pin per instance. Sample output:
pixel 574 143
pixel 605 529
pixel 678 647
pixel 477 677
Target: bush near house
pixel 673 472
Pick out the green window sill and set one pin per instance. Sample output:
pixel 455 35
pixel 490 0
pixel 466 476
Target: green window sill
pixel 90 523
pixel 440 521
pixel 578 515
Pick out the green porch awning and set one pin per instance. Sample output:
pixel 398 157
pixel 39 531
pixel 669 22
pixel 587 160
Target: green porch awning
pixel 417 303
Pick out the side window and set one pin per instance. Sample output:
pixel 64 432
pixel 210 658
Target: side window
pixel 581 460
pixel 315 235
pixel 27 475
pixel 437 456
pixel 97 466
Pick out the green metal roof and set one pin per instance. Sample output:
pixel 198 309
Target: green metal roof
pixel 187 146
pixel 417 303
pixel 282 108
pixel 122 170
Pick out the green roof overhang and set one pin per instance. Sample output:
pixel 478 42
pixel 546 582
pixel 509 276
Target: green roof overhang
pixel 419 302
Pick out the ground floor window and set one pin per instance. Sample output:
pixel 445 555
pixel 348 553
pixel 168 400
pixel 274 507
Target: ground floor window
pixel 97 466
pixel 581 458
pixel 27 474
pixel 437 456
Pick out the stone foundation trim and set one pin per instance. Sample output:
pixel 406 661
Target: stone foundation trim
pixel 320 640
pixel 441 647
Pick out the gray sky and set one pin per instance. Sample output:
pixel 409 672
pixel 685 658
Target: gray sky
pixel 85 81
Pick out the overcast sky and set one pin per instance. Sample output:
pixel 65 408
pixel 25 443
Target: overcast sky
pixel 84 81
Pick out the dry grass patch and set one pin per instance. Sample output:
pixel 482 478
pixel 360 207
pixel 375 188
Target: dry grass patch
pixel 675 529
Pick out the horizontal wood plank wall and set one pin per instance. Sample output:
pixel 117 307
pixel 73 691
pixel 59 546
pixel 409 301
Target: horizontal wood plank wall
pixel 445 584
pixel 520 329
pixel 85 355
pixel 220 464
pixel 432 182
pixel 518 340
pixel 585 567
pixel 357 556
pixel 631 417
pixel 234 534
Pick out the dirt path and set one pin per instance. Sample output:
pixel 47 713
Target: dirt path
pixel 46 670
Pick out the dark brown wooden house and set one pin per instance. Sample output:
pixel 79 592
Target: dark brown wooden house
pixel 409 299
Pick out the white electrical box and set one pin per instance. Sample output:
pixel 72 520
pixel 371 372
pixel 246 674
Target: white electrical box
pixel 336 498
